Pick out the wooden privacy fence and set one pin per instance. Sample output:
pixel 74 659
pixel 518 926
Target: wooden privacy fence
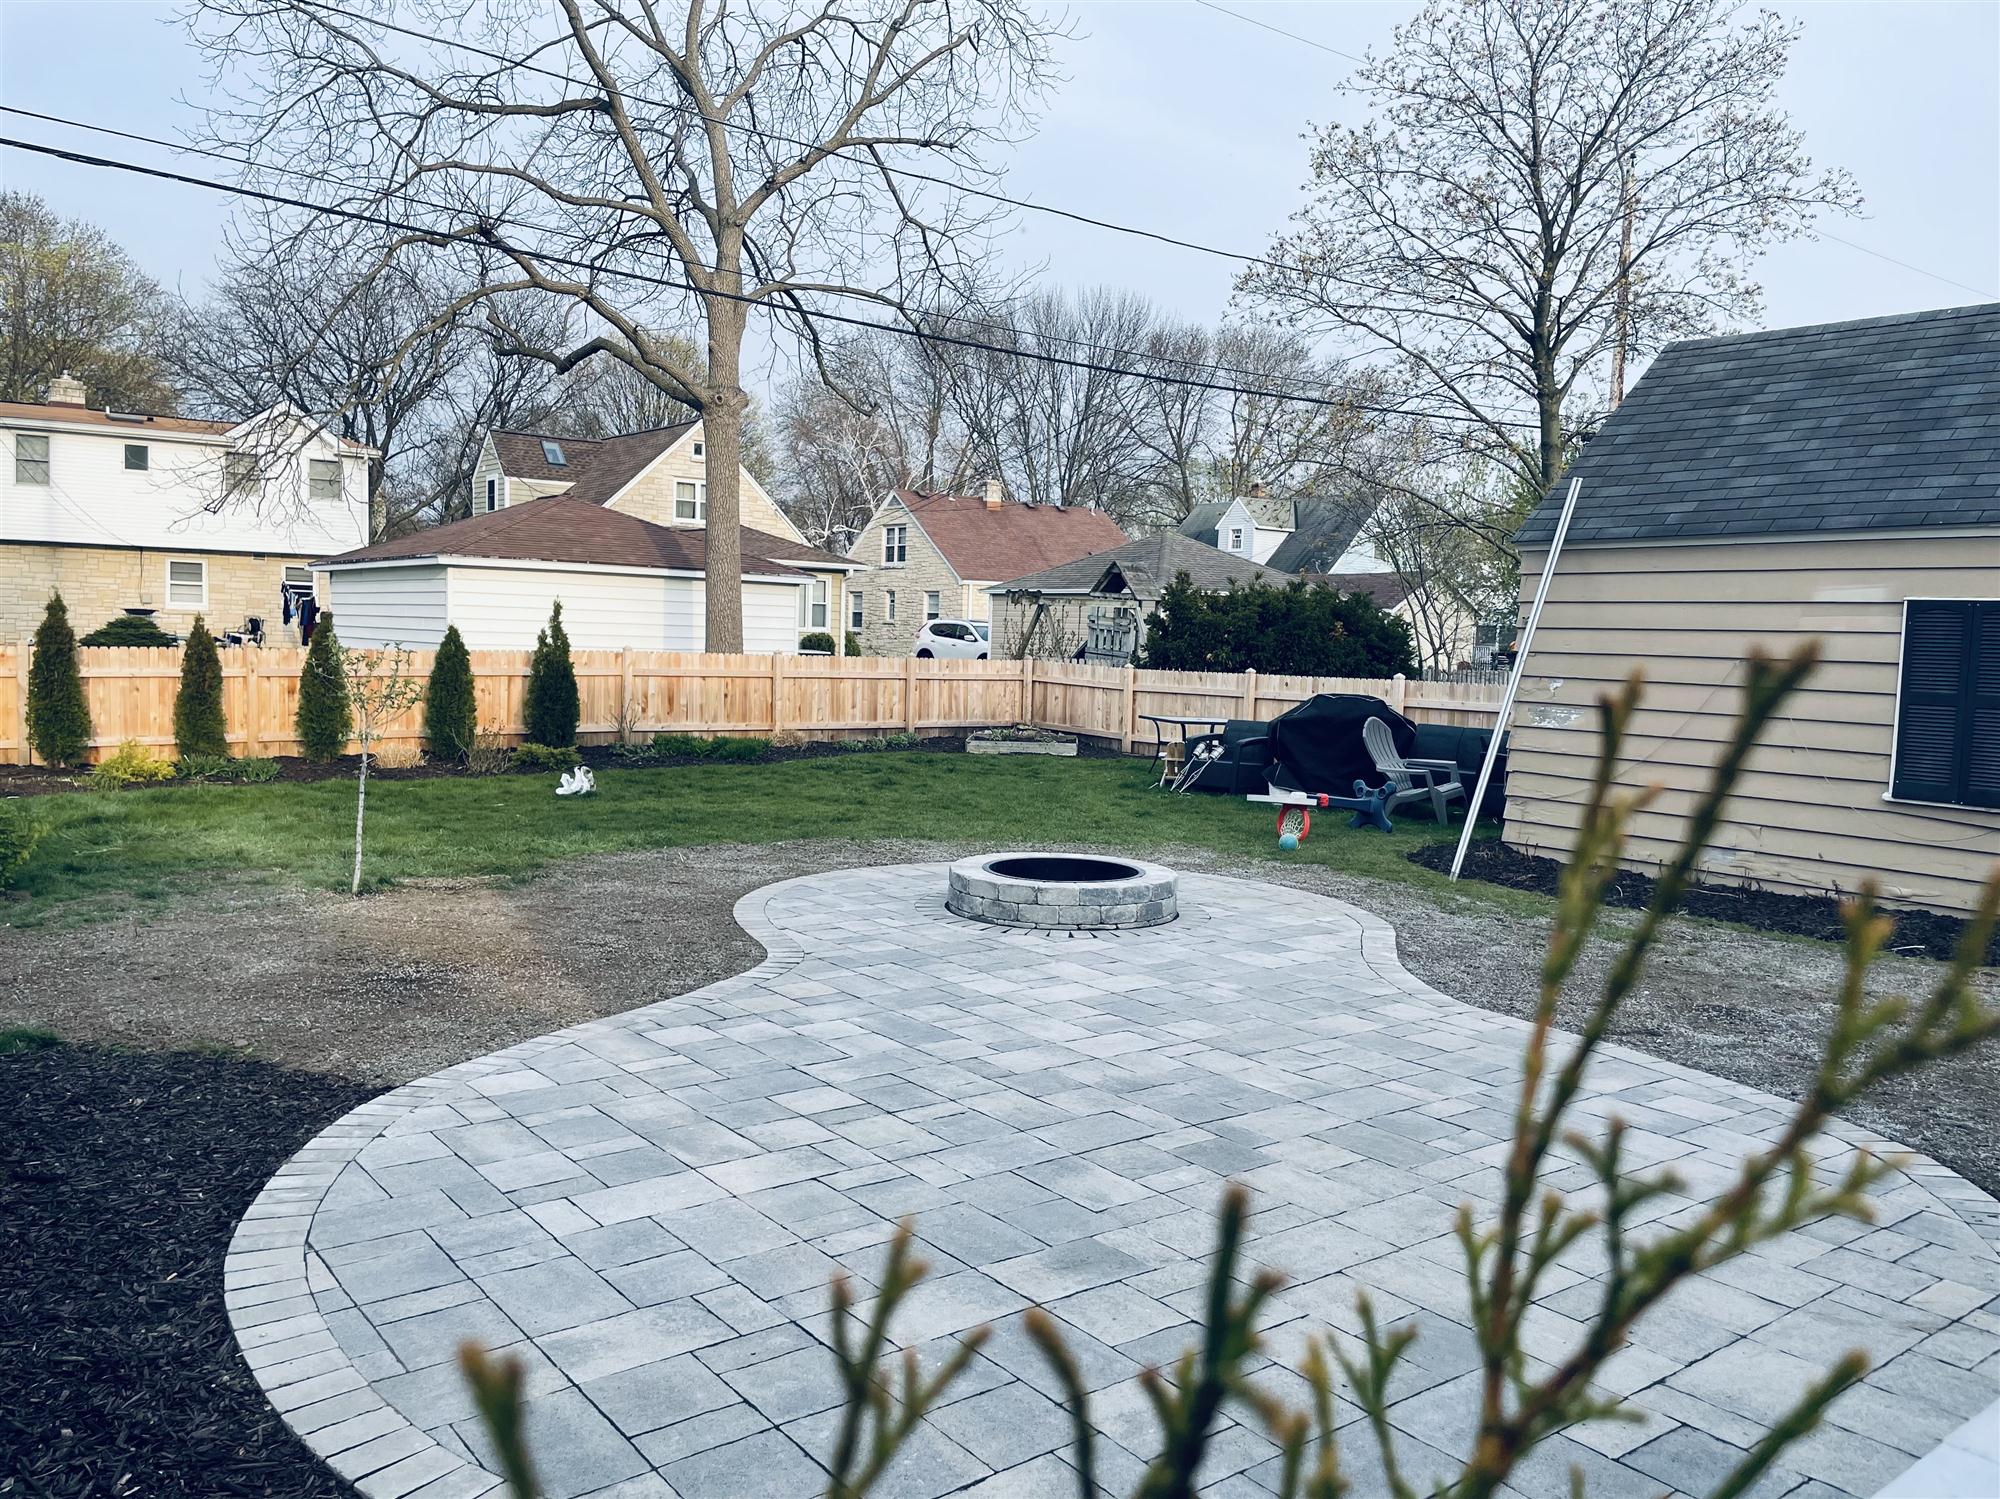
pixel 634 694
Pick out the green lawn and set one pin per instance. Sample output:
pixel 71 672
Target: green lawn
pixel 104 850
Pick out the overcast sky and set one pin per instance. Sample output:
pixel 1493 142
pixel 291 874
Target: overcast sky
pixel 1178 118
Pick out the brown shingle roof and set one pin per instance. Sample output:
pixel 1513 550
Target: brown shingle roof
pixel 561 529
pixel 598 467
pixel 992 545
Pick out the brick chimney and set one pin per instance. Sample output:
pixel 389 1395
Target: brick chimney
pixel 67 390
pixel 995 494
pixel 1256 489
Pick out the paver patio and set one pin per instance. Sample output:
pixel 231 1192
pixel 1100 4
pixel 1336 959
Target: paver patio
pixel 647 1208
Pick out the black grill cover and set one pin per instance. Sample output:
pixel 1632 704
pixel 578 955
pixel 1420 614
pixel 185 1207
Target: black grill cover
pixel 1318 747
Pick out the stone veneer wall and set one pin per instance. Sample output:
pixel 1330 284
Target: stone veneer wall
pixel 100 583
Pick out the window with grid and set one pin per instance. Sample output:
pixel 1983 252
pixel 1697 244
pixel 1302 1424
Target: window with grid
pixel 323 478
pixel 895 543
pixel 889 606
pixel 1948 704
pixel 187 584
pixel 31 458
pixel 854 611
pixel 690 499
pixel 931 606
pixel 138 457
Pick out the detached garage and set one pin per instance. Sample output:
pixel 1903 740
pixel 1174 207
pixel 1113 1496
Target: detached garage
pixel 622 582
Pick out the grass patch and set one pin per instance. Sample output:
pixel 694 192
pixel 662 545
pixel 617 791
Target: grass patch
pixel 104 851
pixel 20 1038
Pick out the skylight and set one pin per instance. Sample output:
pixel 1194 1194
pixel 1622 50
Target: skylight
pixel 553 452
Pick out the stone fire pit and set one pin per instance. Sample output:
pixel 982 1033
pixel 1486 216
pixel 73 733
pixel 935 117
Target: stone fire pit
pixel 1062 892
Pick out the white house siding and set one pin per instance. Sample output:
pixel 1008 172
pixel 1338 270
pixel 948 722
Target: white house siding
pixel 504 608
pixel 92 499
pixel 1810 815
pixel 770 618
pixel 381 606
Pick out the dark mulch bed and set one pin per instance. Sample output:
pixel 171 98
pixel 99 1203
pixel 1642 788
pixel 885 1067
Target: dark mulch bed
pixel 41 780
pixel 1924 934
pixel 122 1176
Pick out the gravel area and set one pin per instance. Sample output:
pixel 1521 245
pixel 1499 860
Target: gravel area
pixel 122 1175
pixel 411 980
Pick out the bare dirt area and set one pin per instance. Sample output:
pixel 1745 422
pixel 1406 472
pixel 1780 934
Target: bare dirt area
pixel 404 982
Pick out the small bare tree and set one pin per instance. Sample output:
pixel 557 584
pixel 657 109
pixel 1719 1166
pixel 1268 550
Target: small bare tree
pixel 381 688
pixel 651 171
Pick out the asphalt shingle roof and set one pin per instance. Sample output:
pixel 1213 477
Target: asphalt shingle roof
pixel 1149 565
pixel 1322 532
pixel 985 544
pixel 1887 423
pixel 596 468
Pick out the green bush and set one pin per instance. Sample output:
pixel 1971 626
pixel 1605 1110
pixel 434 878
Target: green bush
pixel 132 765
pixel 853 644
pixel 451 711
pixel 818 640
pixel 58 714
pixel 325 721
pixel 19 833
pixel 546 757
pixel 128 629
pixel 902 741
pixel 199 728
pixel 726 747
pixel 1308 630
pixel 223 768
pixel 552 702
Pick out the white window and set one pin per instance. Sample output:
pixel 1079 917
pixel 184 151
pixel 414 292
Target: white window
pixel 239 472
pixel 1235 538
pixel 889 606
pixel 302 576
pixel 690 499
pixel 812 605
pixel 187 584
pixel 137 457
pixel 931 609
pixel 323 478
pixel 854 610
pixel 31 458
pixel 552 454
pixel 895 544
pixel 492 495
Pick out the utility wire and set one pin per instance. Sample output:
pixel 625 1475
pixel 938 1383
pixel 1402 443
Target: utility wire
pixel 816 315
pixel 528 224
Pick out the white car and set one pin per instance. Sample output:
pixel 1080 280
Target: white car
pixel 963 639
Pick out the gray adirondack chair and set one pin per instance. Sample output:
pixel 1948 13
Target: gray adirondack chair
pixel 1435 781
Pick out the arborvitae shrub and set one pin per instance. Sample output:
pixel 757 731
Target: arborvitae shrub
pixel 199 728
pixel 325 722
pixel 451 712
pixel 853 644
pixel 58 715
pixel 552 701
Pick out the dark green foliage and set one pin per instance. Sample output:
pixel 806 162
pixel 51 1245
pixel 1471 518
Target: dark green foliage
pixel 817 640
pixel 853 644
pixel 1307 630
pixel 58 715
pixel 451 712
pixel 325 721
pixel 552 701
pixel 128 629
pixel 533 756
pixel 199 728
pixel 223 768
pixel 19 833
pixel 725 747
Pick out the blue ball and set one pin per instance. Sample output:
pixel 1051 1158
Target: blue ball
pixel 1288 841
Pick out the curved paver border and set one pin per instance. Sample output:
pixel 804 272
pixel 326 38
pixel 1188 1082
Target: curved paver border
pixel 280 1295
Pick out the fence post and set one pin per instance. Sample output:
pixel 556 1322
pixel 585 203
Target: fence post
pixel 1250 694
pixel 628 721
pixel 1399 691
pixel 777 693
pixel 910 695
pixel 1027 690
pixel 253 739
pixel 22 653
pixel 1131 704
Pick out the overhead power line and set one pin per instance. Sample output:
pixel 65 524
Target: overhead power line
pixel 817 315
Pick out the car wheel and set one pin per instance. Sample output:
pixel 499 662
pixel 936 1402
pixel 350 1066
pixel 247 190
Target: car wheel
pixel 923 655
pixel 980 657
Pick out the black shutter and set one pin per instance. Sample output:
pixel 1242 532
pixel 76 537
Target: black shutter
pixel 1948 730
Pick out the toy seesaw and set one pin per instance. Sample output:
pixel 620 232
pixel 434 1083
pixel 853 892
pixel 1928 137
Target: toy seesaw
pixel 1370 806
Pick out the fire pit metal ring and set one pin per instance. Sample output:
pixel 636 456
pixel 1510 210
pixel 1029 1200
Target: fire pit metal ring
pixel 1061 892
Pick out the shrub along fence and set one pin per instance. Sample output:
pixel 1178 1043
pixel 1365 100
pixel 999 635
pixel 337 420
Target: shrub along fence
pixel 635 694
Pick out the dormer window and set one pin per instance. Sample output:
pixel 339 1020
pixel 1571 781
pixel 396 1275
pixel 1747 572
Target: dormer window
pixel 1235 538
pixel 552 452
pixel 697 449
